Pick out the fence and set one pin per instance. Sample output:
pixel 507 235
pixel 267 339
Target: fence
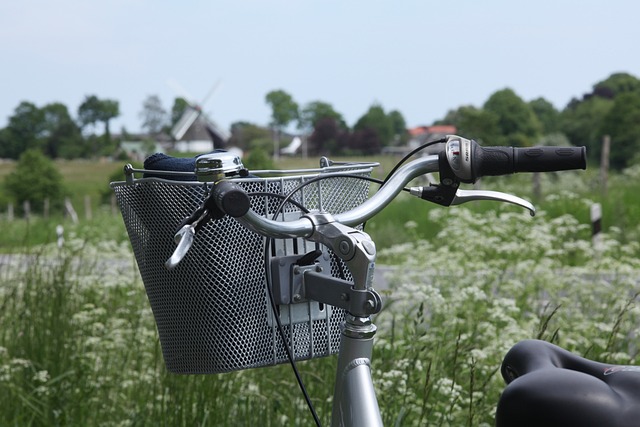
pixel 68 209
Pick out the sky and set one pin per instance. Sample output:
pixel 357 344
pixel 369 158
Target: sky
pixel 422 58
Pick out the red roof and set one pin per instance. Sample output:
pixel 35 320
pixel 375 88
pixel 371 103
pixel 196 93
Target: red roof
pixel 446 129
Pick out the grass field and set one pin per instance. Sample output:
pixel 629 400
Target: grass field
pixel 79 346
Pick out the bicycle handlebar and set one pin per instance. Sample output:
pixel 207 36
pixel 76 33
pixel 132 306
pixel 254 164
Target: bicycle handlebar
pixel 462 160
pixel 468 161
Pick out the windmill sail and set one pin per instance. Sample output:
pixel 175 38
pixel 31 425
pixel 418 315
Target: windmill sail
pixel 186 120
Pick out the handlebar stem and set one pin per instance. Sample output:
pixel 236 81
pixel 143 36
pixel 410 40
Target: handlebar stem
pixel 353 246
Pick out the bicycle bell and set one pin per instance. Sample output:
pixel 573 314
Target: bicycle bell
pixel 215 166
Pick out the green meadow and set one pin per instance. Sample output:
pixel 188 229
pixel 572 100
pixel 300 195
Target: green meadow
pixel 79 346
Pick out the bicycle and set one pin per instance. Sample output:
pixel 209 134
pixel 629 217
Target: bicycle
pixel 305 288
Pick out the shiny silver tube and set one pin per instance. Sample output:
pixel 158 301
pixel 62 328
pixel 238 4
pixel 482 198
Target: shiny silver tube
pixel 303 226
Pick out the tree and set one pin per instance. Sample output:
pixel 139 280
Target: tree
pixel 61 135
pixel 547 115
pixel 399 127
pixel 365 141
pixel 616 84
pixel 23 132
pixel 244 133
pixel 35 179
pixel 517 123
pixel 474 122
pixel 376 120
pixel 93 110
pixel 315 111
pixel 328 137
pixel 284 110
pixel 582 122
pixel 153 115
pixel 622 123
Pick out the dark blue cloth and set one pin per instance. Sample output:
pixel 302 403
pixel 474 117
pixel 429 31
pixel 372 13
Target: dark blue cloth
pixel 162 162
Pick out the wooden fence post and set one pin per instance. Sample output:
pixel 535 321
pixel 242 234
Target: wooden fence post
pixel 45 208
pixel 26 207
pixel 70 211
pixel 604 163
pixel 87 207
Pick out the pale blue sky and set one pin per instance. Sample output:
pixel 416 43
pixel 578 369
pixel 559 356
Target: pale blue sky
pixel 419 57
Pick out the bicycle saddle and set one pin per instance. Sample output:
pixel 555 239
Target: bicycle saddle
pixel 549 386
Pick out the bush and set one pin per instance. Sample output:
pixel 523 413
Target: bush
pixel 35 179
pixel 258 159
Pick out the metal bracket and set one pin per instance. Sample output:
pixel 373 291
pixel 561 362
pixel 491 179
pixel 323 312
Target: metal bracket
pixel 287 277
pixel 330 290
pixel 293 283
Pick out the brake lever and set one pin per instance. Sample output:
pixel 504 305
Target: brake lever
pixel 464 196
pixel 452 195
pixel 184 239
pixel 185 235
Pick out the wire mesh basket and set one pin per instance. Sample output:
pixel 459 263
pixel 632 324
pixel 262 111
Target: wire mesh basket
pixel 212 311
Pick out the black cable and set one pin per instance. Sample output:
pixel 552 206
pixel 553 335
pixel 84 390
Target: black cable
pixel 285 343
pixel 279 196
pixel 274 309
pixel 411 153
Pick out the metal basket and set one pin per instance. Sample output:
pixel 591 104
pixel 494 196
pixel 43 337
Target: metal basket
pixel 212 311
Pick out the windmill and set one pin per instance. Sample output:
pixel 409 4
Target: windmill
pixel 188 129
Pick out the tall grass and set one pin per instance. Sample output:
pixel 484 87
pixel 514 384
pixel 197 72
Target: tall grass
pixel 78 343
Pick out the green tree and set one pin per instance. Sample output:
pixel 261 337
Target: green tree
pixel 582 122
pixel 23 132
pixel 328 137
pixel 399 127
pixel 547 114
pixel 622 123
pixel 258 159
pixel 376 120
pixel 94 110
pixel 284 110
pixel 61 135
pixel 517 123
pixel 616 84
pixel 475 123
pixel 153 115
pixel 244 133
pixel 35 179
pixel 316 111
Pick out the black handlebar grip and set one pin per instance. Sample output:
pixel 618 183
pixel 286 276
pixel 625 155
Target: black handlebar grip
pixel 508 160
pixel 230 198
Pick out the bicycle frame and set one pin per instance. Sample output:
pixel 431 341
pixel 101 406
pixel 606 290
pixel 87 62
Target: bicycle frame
pixel 354 398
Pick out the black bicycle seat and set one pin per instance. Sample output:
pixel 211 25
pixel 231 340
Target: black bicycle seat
pixel 549 386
